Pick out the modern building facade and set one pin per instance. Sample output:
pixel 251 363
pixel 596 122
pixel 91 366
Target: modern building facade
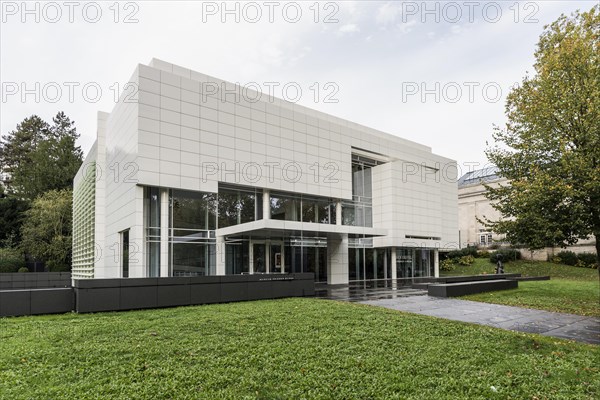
pixel 192 175
pixel 474 206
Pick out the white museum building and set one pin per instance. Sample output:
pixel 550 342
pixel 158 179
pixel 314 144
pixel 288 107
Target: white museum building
pixel 191 175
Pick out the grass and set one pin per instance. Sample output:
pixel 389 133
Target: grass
pixel 558 295
pixel 570 290
pixel 284 349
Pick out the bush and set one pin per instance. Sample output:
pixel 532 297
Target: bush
pixel 466 260
pixel 587 260
pixel 483 254
pixel 508 255
pixel 467 251
pixel 11 260
pixel 447 265
pixel 23 269
pixel 567 257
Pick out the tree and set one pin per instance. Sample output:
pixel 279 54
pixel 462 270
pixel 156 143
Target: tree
pixel 37 157
pixel 47 230
pixel 11 218
pixel 550 147
pixel 17 146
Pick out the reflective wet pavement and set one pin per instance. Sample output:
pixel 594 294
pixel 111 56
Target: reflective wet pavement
pixel 403 298
pixel 363 291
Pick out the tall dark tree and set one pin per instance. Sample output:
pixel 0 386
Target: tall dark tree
pixel 550 147
pixel 16 149
pixel 38 157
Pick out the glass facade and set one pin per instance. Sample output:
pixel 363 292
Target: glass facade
pixel 414 263
pixel 237 253
pixel 359 211
pixel 368 263
pixel 192 242
pixel 307 255
pixel 302 208
pixel 238 205
pixel 194 217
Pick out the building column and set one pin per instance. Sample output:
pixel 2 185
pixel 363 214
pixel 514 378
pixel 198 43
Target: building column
pixel 436 263
pixel 266 204
pixel 393 261
pixel 220 255
pixel 338 213
pixel 337 259
pixel 164 233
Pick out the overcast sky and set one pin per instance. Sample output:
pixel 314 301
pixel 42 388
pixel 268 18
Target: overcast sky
pixel 433 72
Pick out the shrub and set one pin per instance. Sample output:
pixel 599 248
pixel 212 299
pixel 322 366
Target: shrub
pixel 567 257
pixel 467 251
pixel 483 254
pixel 466 260
pixel 447 265
pixel 587 260
pixel 11 260
pixel 508 255
pixel 23 269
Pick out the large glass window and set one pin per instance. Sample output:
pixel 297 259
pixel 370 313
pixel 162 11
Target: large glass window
pixel 302 208
pixel 191 233
pixel 307 255
pixel 359 211
pixel 404 263
pixel 414 263
pixel 285 207
pixel 193 210
pixel 237 257
pixel 238 206
pixel 152 211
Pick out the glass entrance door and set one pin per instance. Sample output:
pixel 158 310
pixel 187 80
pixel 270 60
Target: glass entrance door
pixel 276 261
pixel 259 260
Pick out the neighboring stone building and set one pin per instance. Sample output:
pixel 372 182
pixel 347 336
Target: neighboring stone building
pixel 473 204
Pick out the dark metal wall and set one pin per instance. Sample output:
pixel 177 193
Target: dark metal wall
pixel 93 295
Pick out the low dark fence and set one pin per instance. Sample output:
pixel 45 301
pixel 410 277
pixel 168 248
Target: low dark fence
pixel 36 301
pixel 93 295
pixel 34 280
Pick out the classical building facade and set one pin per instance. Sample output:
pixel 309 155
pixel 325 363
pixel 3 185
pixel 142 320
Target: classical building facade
pixel 473 206
pixel 192 175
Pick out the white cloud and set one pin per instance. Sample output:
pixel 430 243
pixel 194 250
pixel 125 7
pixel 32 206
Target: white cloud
pixel 348 28
pixel 387 13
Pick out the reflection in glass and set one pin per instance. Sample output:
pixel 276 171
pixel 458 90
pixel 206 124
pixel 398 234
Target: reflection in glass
pixel 191 235
pixel 302 208
pixel 237 257
pixel 259 258
pixel 238 206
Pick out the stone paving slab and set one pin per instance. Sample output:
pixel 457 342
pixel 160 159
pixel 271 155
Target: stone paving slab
pixel 565 326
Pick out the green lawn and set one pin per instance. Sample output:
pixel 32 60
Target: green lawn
pixel 284 349
pixel 559 295
pixel 570 290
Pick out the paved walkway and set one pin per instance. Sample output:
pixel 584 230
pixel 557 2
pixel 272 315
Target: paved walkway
pixel 565 326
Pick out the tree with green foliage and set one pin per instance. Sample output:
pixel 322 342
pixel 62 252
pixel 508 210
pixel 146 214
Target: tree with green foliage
pixel 11 218
pixel 549 149
pixel 47 229
pixel 38 157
